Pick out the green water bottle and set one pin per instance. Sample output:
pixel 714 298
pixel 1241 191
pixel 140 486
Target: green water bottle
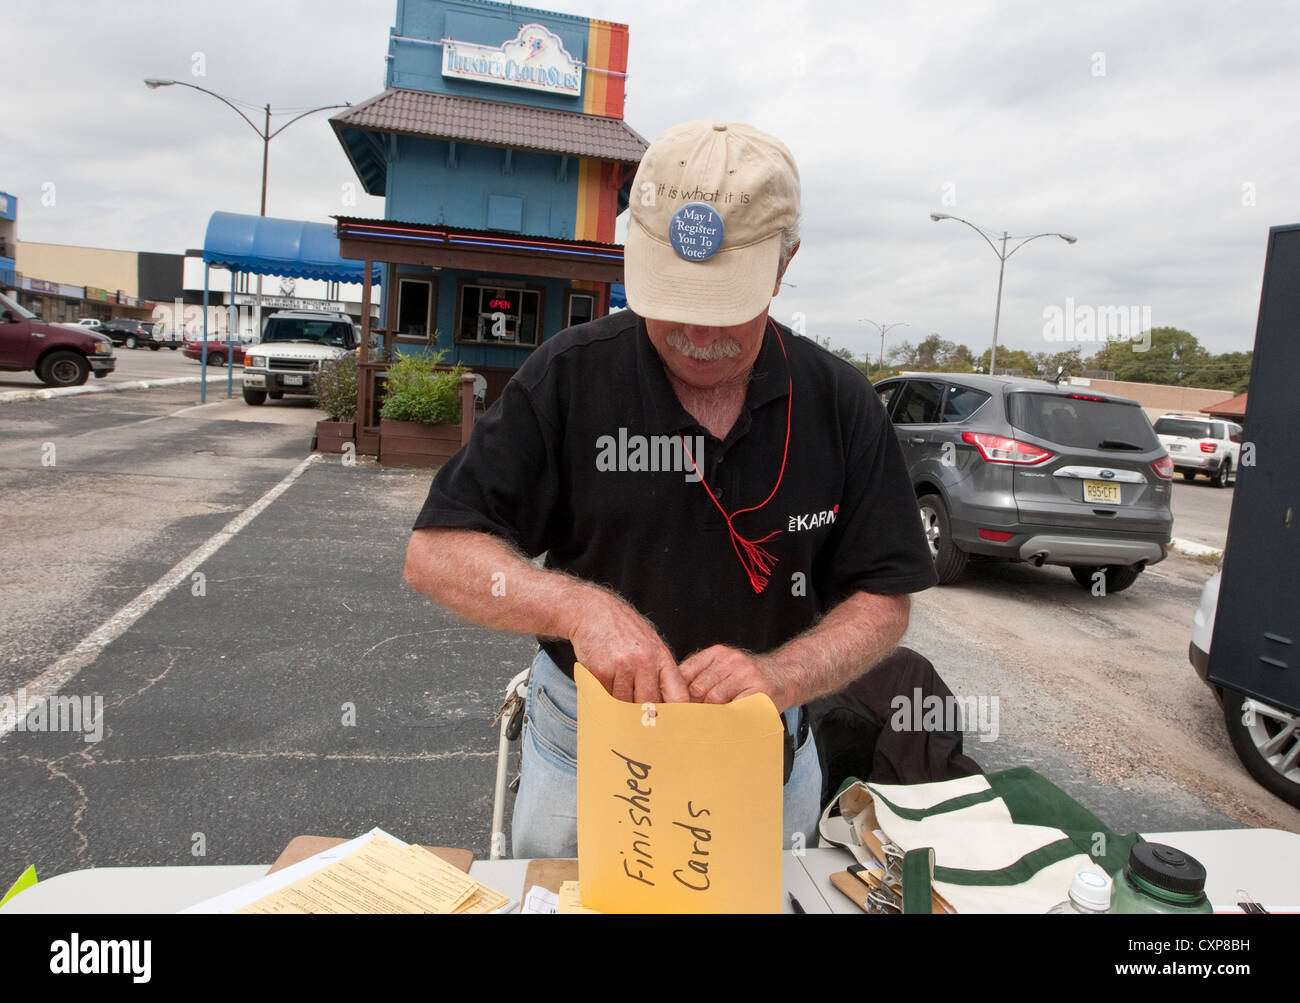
pixel 1160 879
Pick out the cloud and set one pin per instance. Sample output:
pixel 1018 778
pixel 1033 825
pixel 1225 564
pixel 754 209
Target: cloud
pixel 1145 130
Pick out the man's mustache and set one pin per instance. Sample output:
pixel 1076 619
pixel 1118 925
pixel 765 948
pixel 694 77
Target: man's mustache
pixel 726 348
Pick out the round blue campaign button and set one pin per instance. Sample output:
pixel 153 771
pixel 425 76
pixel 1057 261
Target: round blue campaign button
pixel 696 231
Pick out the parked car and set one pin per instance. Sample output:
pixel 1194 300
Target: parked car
pixel 61 355
pixel 1028 470
pixel 138 334
pixel 293 344
pixel 218 351
pixel 94 323
pixel 1265 738
pixel 1200 445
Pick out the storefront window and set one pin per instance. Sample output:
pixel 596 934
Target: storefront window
pixel 582 308
pixel 414 309
pixel 499 316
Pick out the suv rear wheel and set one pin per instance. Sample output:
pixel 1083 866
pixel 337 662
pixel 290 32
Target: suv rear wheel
pixel 949 559
pixel 1220 477
pixel 1118 576
pixel 254 396
pixel 1267 741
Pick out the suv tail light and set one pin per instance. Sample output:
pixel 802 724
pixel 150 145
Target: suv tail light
pixel 1209 447
pixel 1000 449
pixel 1164 467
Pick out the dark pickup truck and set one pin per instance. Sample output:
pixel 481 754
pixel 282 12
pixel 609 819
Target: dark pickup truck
pixel 61 355
pixel 133 333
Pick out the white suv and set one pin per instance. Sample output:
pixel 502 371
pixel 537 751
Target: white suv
pixel 1200 445
pixel 292 346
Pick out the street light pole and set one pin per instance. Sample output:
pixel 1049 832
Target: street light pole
pixel 266 135
pixel 1003 254
pixel 884 329
pixel 266 155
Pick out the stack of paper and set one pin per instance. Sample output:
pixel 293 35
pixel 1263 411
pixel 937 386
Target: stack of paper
pixel 382 875
pixel 569 903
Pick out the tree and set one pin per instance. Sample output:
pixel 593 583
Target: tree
pixel 1175 358
pixel 1047 363
pixel 933 355
pixel 1229 371
pixel 1010 358
pixel 903 356
pixel 1172 355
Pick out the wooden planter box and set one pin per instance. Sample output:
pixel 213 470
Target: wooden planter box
pixel 331 436
pixel 412 444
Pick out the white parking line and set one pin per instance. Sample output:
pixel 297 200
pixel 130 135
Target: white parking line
pixel 16 396
pixel 195 407
pixel 63 670
pixel 1194 549
pixel 173 414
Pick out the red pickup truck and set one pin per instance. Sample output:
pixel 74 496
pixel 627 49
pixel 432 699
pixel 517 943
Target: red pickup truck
pixel 61 355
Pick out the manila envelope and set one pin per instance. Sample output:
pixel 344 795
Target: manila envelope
pixel 679 805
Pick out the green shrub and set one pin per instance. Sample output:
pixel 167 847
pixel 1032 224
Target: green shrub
pixel 335 385
pixel 418 391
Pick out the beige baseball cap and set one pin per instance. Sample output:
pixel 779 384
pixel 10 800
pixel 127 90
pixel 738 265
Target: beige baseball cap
pixel 708 207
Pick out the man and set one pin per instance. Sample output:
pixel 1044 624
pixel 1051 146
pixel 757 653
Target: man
pixel 723 506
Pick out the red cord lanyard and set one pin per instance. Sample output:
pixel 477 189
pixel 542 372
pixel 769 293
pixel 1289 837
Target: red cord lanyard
pixel 757 562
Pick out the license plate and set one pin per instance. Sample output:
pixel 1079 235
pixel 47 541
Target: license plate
pixel 1101 492
pixel 293 381
pixel 1175 447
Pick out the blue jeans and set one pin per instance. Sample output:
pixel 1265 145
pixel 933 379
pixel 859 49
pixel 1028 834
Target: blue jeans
pixel 545 822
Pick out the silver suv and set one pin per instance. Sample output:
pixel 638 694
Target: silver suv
pixel 1200 445
pixel 293 344
pixel 1028 470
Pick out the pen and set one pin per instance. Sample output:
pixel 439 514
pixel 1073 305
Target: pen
pixel 797 907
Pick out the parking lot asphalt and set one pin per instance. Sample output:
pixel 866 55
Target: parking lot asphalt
pixel 304 689
pixel 307 691
pixel 1201 512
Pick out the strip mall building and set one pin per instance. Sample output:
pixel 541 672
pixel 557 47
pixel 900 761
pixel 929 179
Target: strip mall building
pixel 500 150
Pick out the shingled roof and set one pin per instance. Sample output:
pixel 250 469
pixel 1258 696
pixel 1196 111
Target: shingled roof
pixel 486 123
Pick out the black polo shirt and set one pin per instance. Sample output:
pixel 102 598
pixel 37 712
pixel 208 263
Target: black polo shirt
pixel 571 462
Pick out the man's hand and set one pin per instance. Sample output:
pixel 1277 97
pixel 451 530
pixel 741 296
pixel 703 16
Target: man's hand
pixel 720 674
pixel 461 568
pixel 624 652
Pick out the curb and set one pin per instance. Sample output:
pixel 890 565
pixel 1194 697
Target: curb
pixel 1193 549
pixel 14 396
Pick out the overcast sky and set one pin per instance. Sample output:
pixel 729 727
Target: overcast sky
pixel 1165 135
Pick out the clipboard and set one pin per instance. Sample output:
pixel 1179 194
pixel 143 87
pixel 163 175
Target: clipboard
pixel 302 847
pixel 549 874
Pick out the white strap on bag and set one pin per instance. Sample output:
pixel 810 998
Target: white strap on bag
pixel 977 838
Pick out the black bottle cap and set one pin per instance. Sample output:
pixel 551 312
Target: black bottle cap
pixel 1166 868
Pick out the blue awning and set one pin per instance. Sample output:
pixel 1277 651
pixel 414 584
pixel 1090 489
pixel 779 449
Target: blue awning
pixel 617 296
pixel 281 247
